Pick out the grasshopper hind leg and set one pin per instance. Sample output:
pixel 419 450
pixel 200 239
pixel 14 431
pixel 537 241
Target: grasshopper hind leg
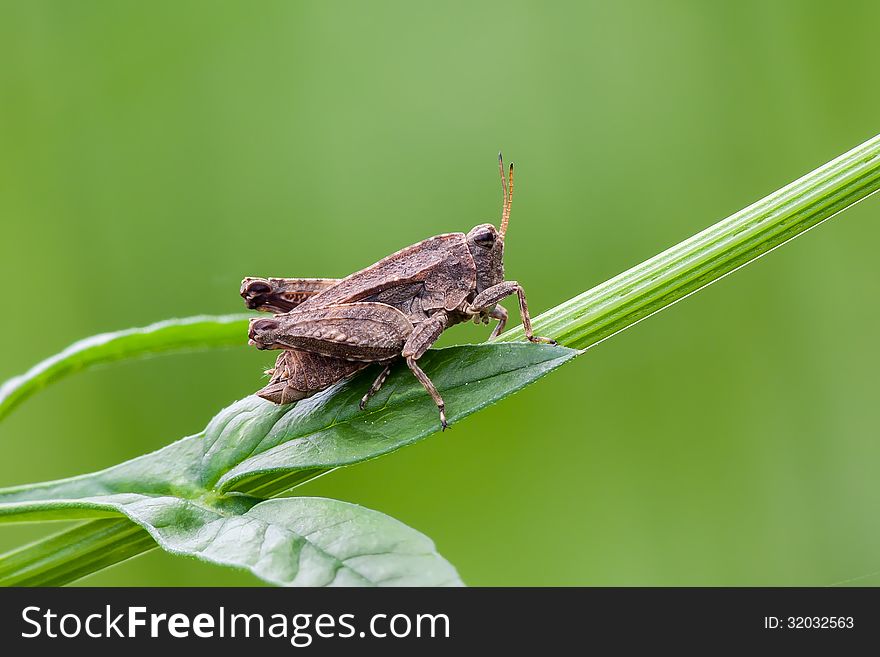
pixel 422 337
pixel 429 386
pixel 377 384
pixel 423 379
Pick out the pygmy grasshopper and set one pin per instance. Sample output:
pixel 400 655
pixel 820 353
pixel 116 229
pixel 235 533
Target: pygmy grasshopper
pixel 329 329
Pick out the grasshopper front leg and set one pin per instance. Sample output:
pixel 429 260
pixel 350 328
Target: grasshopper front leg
pixel 490 296
pixel 422 337
pixel 499 313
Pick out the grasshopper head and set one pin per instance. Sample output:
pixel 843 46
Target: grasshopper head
pixel 487 249
pixel 268 295
pixel 260 294
pixel 486 244
pixel 263 333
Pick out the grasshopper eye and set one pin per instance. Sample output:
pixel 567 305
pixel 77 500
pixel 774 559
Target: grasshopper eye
pixel 484 237
pixel 255 288
pixel 255 292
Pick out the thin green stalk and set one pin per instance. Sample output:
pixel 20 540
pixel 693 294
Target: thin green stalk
pixel 637 293
pixel 72 554
pixel 189 334
pixel 98 544
pixel 92 546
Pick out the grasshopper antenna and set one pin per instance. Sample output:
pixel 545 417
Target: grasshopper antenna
pixel 507 189
pixel 503 185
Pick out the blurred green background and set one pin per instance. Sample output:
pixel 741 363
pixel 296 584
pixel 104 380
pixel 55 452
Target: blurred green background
pixel 152 154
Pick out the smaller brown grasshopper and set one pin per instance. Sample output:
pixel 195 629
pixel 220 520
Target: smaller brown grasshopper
pixel 329 329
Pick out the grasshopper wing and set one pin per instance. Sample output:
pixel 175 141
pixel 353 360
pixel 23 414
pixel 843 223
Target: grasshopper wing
pixel 300 374
pixel 439 271
pixel 367 331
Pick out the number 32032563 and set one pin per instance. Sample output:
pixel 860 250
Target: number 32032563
pixel 809 622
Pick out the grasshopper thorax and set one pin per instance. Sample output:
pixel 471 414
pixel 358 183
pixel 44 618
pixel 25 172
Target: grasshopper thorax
pixel 486 246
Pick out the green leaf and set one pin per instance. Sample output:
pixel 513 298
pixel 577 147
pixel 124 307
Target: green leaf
pixel 253 437
pixel 202 332
pixel 300 541
pixel 261 449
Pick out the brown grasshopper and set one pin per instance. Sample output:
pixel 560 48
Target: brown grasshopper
pixel 329 329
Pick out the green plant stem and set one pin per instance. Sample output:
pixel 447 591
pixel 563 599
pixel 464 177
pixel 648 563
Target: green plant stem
pixel 637 293
pixel 97 544
pixel 581 322
pixel 190 333
pixel 69 555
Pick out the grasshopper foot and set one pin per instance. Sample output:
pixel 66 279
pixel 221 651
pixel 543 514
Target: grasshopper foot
pixel 443 423
pixel 539 339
